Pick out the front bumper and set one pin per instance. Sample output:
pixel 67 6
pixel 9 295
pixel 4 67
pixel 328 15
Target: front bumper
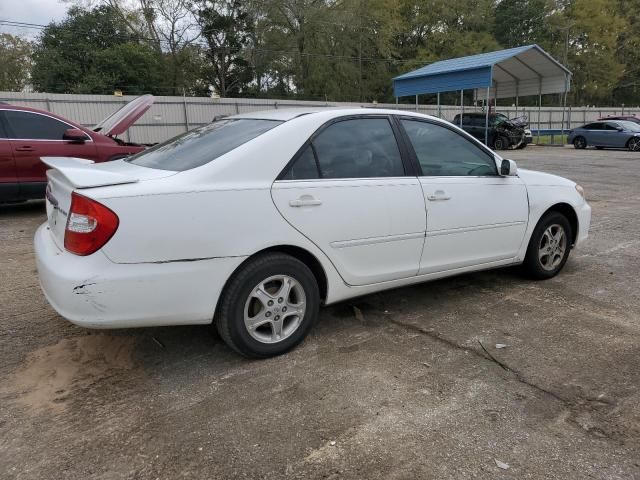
pixel 94 292
pixel 584 222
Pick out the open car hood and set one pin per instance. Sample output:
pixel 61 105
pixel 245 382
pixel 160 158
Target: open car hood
pixel 520 121
pixel 120 121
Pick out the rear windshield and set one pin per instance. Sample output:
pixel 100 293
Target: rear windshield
pixel 201 145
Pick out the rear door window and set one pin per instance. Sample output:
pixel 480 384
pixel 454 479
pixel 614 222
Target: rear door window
pixel 202 145
pixel 358 148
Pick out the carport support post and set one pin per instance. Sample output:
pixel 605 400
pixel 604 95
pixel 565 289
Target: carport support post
pixel 486 119
pixel 461 106
pixel 563 99
pixel 539 105
pixel 439 110
pixel 416 103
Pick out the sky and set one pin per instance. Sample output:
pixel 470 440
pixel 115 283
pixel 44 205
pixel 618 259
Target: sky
pixel 30 11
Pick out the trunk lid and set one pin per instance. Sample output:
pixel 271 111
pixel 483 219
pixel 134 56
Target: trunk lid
pixel 121 120
pixel 77 174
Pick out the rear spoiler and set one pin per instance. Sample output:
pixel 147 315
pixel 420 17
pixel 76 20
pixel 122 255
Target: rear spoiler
pixel 81 173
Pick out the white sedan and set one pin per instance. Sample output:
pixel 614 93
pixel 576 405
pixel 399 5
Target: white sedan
pixel 253 221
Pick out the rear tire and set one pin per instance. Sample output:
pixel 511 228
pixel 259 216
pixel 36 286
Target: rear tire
pixel 579 143
pixel 268 306
pixel 549 247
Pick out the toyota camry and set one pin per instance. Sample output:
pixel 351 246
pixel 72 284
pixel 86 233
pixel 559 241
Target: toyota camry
pixel 254 221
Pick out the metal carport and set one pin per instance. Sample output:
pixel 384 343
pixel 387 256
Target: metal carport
pixel 515 72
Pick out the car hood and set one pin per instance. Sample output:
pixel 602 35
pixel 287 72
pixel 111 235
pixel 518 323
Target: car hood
pixel 532 177
pixel 118 122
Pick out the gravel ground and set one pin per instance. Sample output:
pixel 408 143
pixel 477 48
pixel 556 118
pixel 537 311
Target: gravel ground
pixel 393 385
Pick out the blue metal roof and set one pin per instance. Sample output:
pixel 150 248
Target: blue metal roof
pixel 475 71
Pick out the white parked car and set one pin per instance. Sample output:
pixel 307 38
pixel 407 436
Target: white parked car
pixel 254 221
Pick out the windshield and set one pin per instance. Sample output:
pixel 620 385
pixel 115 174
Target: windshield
pixel 202 145
pixel 631 126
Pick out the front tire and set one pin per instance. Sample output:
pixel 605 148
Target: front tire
pixel 500 143
pixel 549 246
pixel 268 306
pixel 634 144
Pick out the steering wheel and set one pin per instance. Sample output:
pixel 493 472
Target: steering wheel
pixel 477 171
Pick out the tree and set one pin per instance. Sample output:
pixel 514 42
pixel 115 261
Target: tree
pixel 522 22
pixel 590 33
pixel 93 51
pixel 15 62
pixel 226 28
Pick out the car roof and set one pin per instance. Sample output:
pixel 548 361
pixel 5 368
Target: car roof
pixel 286 115
pixel 9 106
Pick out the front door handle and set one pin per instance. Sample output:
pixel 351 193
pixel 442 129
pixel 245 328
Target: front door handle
pixel 25 148
pixel 438 196
pixel 305 201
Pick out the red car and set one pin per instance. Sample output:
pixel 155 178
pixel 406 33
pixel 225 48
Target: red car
pixel 26 134
pixel 629 118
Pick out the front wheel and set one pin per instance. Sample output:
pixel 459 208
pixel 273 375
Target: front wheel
pixel 549 246
pixel 634 144
pixel 500 143
pixel 268 306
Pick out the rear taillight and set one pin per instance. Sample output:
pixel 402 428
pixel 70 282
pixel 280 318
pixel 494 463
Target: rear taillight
pixel 89 226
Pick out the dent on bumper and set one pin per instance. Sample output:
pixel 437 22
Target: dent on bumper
pixel 94 292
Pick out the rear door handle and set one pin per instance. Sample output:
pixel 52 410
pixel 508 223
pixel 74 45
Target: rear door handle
pixel 25 148
pixel 438 196
pixel 305 201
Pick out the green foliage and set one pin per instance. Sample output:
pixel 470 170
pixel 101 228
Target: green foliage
pixel 15 62
pixel 92 51
pixel 340 50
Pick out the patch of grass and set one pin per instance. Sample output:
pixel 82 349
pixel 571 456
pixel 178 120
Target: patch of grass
pixel 546 139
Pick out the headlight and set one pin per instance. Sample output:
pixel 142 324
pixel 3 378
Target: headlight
pixel 580 190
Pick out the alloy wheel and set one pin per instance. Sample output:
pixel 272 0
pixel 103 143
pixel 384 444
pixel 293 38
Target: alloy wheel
pixel 634 144
pixel 552 247
pixel 275 309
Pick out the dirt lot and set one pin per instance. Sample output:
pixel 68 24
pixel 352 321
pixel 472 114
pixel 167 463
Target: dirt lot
pixel 404 390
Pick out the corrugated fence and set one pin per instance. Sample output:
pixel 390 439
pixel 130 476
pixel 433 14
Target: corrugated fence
pixel 170 116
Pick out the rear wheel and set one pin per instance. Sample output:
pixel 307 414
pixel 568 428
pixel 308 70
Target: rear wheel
pixel 269 306
pixel 580 143
pixel 634 144
pixel 549 246
pixel 500 143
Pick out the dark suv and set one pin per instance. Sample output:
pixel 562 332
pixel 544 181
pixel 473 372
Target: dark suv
pixel 502 134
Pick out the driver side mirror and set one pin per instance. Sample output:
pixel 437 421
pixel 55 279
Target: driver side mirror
pixel 74 135
pixel 508 168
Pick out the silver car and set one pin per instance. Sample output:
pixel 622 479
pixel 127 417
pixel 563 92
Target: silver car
pixel 607 134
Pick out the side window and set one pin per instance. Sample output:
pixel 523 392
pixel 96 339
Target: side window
pixel 443 152
pixel 358 148
pixel 26 125
pixel 611 126
pixel 304 168
pixel 3 133
pixel 593 126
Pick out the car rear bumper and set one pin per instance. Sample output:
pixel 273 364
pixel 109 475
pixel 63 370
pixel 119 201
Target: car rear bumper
pixel 94 292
